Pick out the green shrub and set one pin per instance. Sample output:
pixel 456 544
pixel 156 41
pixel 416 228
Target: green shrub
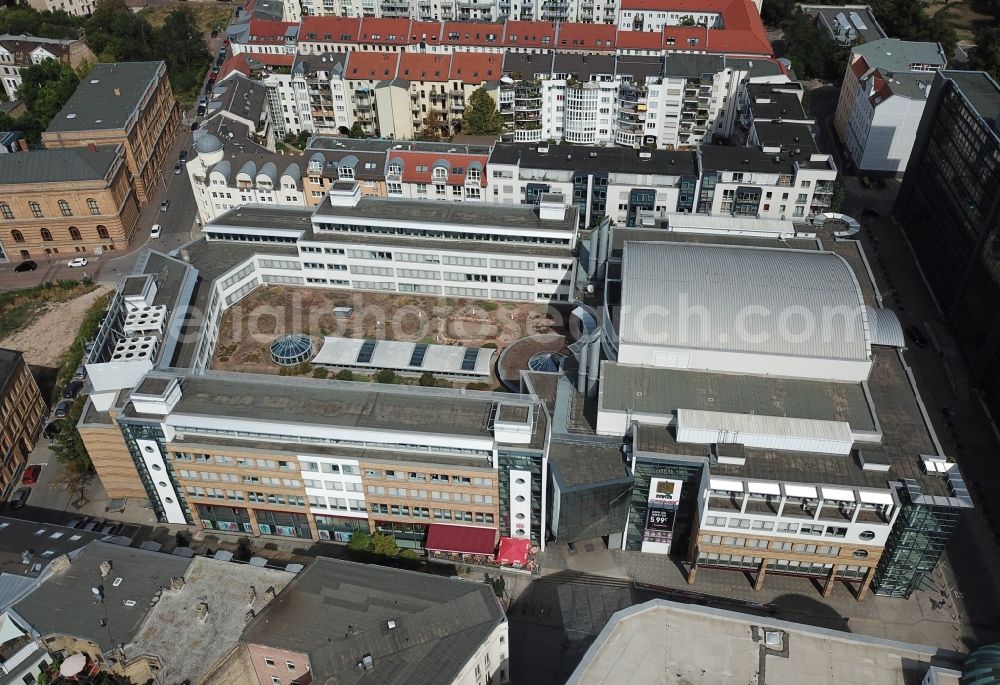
pixel 386 376
pixel 478 386
pixel 320 372
pixel 345 375
pixel 488 306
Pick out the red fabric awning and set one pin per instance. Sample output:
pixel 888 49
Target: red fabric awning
pixel 514 552
pixel 460 539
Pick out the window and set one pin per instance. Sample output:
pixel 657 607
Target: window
pixel 867 535
pixel 290 665
pixel 811 530
pixel 17 236
pixel 64 208
pixel 46 235
pixel 95 209
pixel 74 233
pixel 102 232
pixel 6 211
pixel 275 680
pixel 36 209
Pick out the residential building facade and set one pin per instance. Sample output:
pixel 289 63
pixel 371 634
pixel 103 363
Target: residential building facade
pixel 18 52
pixel 66 202
pixel 882 97
pixel 126 103
pixel 948 206
pixel 22 411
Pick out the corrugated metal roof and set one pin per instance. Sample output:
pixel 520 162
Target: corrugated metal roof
pixel 741 426
pixel 885 327
pixel 742 299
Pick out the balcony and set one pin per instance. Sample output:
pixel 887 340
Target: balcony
pixel 722 503
pixel 457 106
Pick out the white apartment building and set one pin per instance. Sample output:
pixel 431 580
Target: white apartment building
pixel 468 10
pixel 882 98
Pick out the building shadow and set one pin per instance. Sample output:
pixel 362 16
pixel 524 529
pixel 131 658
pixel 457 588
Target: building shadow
pixel 810 610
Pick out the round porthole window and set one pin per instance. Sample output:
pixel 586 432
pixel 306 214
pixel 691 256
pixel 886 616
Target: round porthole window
pixel 860 554
pixel 148 448
pixel 157 467
pixel 162 484
pixel 519 532
pixel 867 535
pixel 519 517
pixel 519 481
pixel 519 498
pixel 168 500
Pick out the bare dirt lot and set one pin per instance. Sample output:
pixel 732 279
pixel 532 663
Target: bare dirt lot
pixel 45 340
pixel 249 327
pixel 966 17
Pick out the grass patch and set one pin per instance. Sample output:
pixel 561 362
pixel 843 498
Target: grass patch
pixel 74 355
pixel 207 15
pixel 19 308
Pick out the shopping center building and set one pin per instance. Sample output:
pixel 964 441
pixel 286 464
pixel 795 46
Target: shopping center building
pixel 649 429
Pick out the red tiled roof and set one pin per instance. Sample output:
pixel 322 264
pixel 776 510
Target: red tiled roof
pixel 427 160
pixel 471 33
pixel 415 66
pixel 425 31
pixel 463 539
pixel 576 36
pixel 675 5
pixel 528 34
pixel 235 63
pixel 337 29
pixel 385 31
pixel 373 66
pixel 639 40
pixel 265 31
pixel 476 67
pixel 272 60
pixel 742 33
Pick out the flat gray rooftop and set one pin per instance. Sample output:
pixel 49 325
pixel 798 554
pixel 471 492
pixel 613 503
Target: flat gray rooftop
pixel 893 54
pixel 483 246
pixel 980 90
pixel 340 403
pixel 9 361
pixel 706 646
pixel 662 391
pixel 585 464
pixel 620 235
pixel 448 213
pixel 264 216
pixel 338 611
pixel 64 605
pixel 107 97
pixel 66 165
pixel 189 646
pixel 45 540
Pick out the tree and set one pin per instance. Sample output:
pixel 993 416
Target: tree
pixel 244 549
pixel 774 12
pixel 68 445
pixel 433 126
pixel 385 376
pixel 837 199
pixel 345 375
pixel 181 43
pixel 116 34
pixel 986 55
pixel 384 545
pixel 360 542
pixel 357 130
pixel 182 538
pixel 46 87
pixel 812 52
pixel 908 20
pixel 320 372
pixel 481 115
pixel 427 379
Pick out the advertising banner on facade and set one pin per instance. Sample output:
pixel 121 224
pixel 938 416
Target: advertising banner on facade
pixel 661 511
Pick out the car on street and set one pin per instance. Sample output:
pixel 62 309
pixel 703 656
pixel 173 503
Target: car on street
pixel 80 373
pixel 72 389
pixel 78 262
pixel 62 409
pixel 51 429
pixel 194 125
pixel 20 498
pixel 30 476
pixel 201 110
pixel 165 205
pixel 155 232
pixel 183 157
pixel 177 168
pixel 216 69
pixel 26 265
pixel 916 336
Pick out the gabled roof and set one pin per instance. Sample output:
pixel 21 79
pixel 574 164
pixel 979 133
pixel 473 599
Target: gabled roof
pixel 414 66
pixel 267 32
pixel 384 31
pixel 475 67
pixel 336 29
pixel 529 34
pixel 418 167
pixel 579 36
pixel 59 165
pixel 371 66
pixel 472 33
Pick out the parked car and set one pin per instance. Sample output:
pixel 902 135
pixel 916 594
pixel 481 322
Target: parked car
pixel 183 157
pixel 51 429
pixel 201 110
pixel 80 373
pixel 93 524
pixel 30 476
pixel 177 168
pixel 155 233
pixel 20 498
pixel 194 125
pixel 165 205
pixel 62 409
pixel 26 265
pixel 916 336
pixel 77 262
pixel 76 522
pixel 72 389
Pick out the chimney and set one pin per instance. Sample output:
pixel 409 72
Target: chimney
pixel 177 583
pixel 91 147
pixel 105 568
pixel 269 594
pixel 249 616
pixel 251 595
pixel 203 610
pixel 118 92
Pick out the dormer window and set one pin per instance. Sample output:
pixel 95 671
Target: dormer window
pixel 440 174
pixel 345 172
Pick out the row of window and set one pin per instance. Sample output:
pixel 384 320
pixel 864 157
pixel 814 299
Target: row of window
pixel 392 474
pixel 36 209
pixel 438 514
pixel 333 485
pixel 74 234
pixel 784 527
